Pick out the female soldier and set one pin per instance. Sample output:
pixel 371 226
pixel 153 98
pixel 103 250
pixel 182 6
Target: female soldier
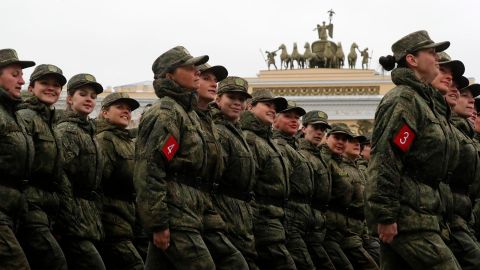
pixel 80 222
pixel 412 151
pixel 46 182
pixel 234 193
pixel 171 169
pixel 118 216
pixel 16 156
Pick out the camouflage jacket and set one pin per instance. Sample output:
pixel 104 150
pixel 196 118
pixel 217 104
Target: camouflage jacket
pixel 118 216
pixel 271 168
pixel 16 157
pixel 358 182
pixel 465 179
pixel 239 174
pixel 301 173
pixel 322 178
pixel 46 176
pixel 412 152
pixel 170 144
pixel 83 165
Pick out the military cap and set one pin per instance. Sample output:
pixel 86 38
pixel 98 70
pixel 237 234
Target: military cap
pixel 474 88
pixel 461 82
pixel 315 117
pixel 233 84
pixel 173 58
pixel 9 57
pixel 83 79
pixel 220 72
pixel 43 70
pixel 120 97
pixel 414 42
pixel 341 128
pixel 267 96
pixel 457 66
pixel 361 138
pixel 292 107
pixel 368 139
pixel 477 105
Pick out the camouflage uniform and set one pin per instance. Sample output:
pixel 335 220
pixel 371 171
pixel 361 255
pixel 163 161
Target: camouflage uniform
pixel 16 157
pixel 234 193
pixel 271 192
pixel 118 216
pixel 412 151
pixel 79 220
pixel 46 182
pixel 171 170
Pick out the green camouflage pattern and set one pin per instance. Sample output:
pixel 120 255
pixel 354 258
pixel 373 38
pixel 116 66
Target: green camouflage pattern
pixel 118 150
pixel 120 96
pixel 233 84
pixel 173 58
pixel 220 72
pixel 121 255
pixel 315 117
pixel 263 95
pixel 48 69
pixel 416 41
pixel 83 79
pixel 9 56
pixel 83 165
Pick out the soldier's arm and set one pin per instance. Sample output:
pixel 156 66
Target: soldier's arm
pixel 386 164
pixel 109 157
pixel 155 129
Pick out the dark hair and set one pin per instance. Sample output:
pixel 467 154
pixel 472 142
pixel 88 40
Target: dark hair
pixel 387 62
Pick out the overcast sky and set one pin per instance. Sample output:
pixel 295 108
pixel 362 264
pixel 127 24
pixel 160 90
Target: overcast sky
pixel 117 40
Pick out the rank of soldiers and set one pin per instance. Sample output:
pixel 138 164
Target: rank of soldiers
pixel 215 177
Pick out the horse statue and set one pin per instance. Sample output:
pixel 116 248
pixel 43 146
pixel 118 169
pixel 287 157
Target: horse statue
pixel 352 56
pixel 308 55
pixel 328 55
pixel 339 56
pixel 296 56
pixel 285 58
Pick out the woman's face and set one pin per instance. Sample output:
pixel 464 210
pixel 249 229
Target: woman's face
pixel 465 104
pixel 314 133
pixel 444 80
pixel 83 100
pixel 232 105
pixel 337 142
pixel 287 122
pixel 265 111
pixel 425 63
pixel 11 79
pixel 47 89
pixel 185 76
pixel 118 114
pixel 352 148
pixel 207 88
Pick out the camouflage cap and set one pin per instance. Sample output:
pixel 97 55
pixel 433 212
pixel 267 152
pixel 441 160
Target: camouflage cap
pixel 173 58
pixel 341 128
pixel 315 117
pixel 292 107
pixel 267 96
pixel 233 84
pixel 220 72
pixel 474 88
pixel 461 82
pixel 457 67
pixel 368 139
pixel 361 138
pixel 120 97
pixel 9 57
pixel 83 79
pixel 43 70
pixel 414 42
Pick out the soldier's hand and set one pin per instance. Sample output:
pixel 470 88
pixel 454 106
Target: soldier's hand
pixel 386 232
pixel 161 239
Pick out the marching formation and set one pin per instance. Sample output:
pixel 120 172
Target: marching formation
pixel 216 177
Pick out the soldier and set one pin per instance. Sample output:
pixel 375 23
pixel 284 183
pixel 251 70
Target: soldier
pixel 234 193
pixel 172 171
pixel 16 156
pixel 412 151
pixel 118 200
pixel 314 126
pixel 80 225
pixel 271 181
pixel 344 215
pixel 46 181
pixel 207 89
pixel 300 224
pixel 451 71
